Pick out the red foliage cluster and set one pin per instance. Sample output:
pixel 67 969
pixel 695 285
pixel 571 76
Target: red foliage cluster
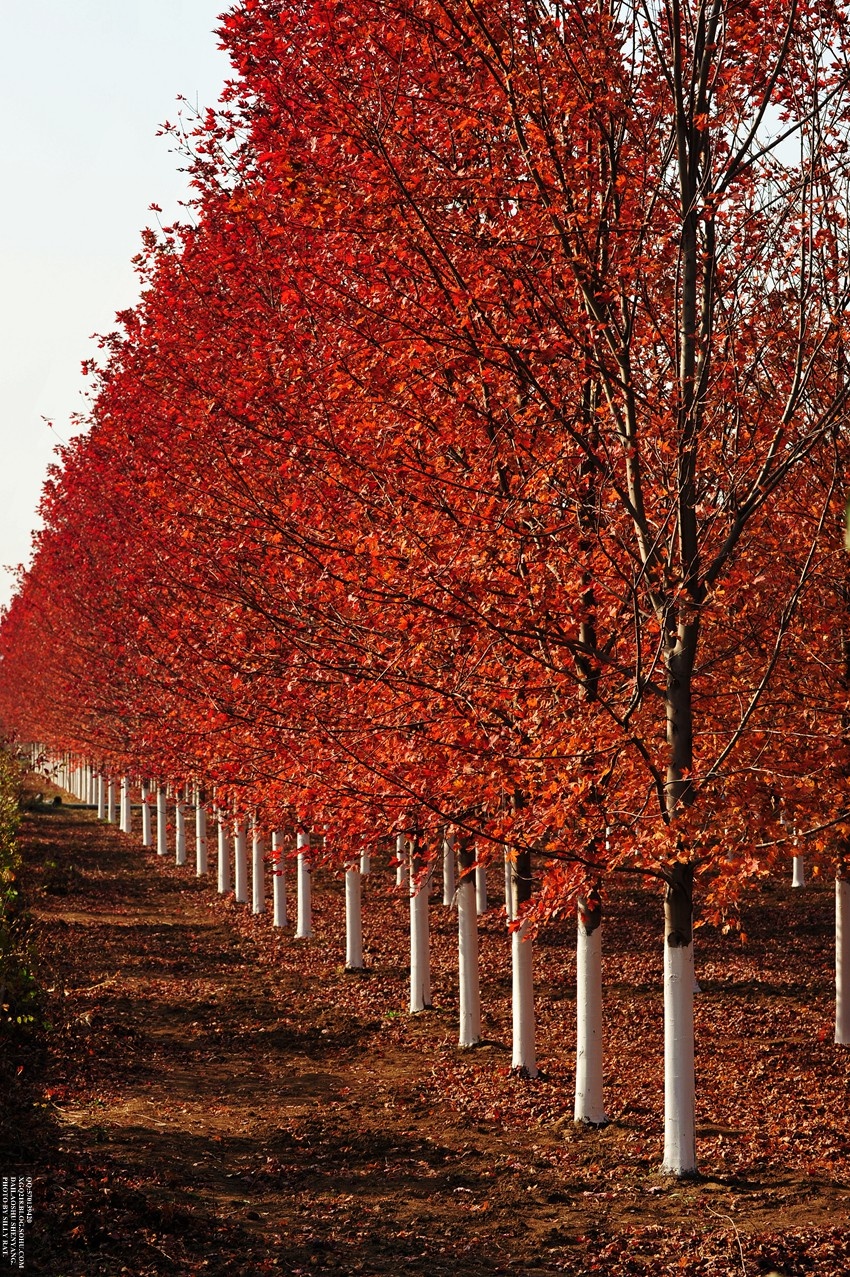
pixel 475 457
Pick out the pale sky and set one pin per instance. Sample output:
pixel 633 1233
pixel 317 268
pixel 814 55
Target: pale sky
pixel 84 85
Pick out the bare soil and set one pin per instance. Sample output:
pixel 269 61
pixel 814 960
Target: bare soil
pixel 213 1097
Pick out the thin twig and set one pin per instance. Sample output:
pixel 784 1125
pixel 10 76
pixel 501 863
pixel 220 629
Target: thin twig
pixel 719 1215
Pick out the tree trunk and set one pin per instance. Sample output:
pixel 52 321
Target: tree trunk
pixel 201 860
pixel 449 884
pixel 110 801
pixel 401 870
pixel 365 862
pixel 304 920
pixel 679 1086
pixel 147 831
pixel 842 961
pixel 161 821
pixel 223 854
pixel 798 872
pixel 589 1108
pixel 258 870
pixel 481 888
pixel 180 827
pixel 240 860
pixel 420 941
pixel 524 1055
pixel 353 920
pixel 278 880
pixel 510 906
pixel 125 822
pixel 101 798
pixel 467 949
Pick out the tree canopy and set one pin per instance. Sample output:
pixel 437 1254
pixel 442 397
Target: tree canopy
pixel 475 457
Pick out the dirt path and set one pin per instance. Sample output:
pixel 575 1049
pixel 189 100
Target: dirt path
pixel 218 1100
pixel 199 1125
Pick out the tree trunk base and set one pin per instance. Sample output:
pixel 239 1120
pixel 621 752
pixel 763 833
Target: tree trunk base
pixel 683 1176
pixel 527 1074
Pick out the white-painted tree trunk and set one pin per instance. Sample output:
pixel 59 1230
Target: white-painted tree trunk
pixel 510 905
pixel 420 941
pixel 679 1083
pixel 223 854
pixel 402 861
pixel 589 1108
pixel 524 1055
pixel 125 822
pixel 161 821
pixel 147 832
pixel 304 912
pixel 842 961
pixel 101 798
pixel 110 801
pixel 258 871
pixel 469 1027
pixel 180 827
pixel 353 920
pixel 278 880
pixel 365 862
pixel 240 860
pixel 481 888
pixel 449 878
pixel 798 872
pixel 524 1049
pixel 201 857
